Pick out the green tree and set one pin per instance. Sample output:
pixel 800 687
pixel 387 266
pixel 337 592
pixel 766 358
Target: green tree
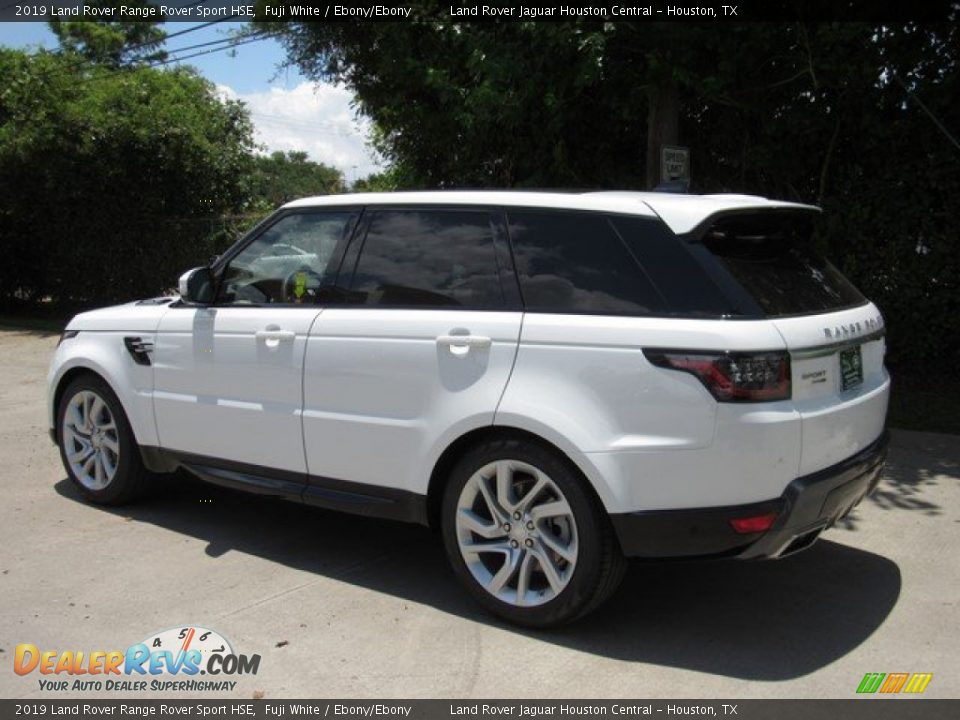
pixel 390 180
pixel 803 111
pixel 461 104
pixel 113 42
pixel 281 177
pixel 114 181
pixel 583 103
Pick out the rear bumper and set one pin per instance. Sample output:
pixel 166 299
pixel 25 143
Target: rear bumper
pixel 809 505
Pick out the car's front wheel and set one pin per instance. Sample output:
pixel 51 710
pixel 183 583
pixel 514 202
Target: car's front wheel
pixel 526 537
pixel 97 445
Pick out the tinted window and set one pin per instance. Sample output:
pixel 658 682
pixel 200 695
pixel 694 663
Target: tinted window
pixel 684 284
pixel 569 262
pixel 428 258
pixel 771 257
pixel 288 262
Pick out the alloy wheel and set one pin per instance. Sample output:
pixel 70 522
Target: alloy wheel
pixel 91 442
pixel 516 533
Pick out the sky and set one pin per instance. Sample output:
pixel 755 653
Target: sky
pixel 288 111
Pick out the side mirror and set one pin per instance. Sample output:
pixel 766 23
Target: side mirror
pixel 196 286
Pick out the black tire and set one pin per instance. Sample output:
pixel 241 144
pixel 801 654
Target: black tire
pixel 131 478
pixel 600 565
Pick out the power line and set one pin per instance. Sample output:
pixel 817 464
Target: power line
pixel 249 39
pixel 214 42
pixel 201 26
pixel 231 43
pixel 54 72
pixel 181 58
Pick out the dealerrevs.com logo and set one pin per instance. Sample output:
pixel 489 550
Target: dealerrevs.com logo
pixel 893 683
pixel 170 660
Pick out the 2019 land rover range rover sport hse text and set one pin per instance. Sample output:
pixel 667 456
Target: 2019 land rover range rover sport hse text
pixel 553 381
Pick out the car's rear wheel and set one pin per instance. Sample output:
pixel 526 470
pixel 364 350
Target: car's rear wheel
pixel 97 446
pixel 526 536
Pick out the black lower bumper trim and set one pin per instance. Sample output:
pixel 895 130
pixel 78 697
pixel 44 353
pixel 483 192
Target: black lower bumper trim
pixel 697 532
pixel 808 505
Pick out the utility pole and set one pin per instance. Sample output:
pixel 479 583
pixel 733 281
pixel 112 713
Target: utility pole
pixel 663 121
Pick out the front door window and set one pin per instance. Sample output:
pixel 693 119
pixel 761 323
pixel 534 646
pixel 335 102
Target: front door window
pixel 288 263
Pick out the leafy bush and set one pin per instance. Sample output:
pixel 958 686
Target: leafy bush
pixel 115 181
pixel 280 177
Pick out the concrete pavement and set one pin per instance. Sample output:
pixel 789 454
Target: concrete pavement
pixel 340 606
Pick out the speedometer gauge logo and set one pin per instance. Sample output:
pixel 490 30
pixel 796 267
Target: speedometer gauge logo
pixel 181 640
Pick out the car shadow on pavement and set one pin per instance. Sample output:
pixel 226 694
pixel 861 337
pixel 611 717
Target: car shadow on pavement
pixel 750 620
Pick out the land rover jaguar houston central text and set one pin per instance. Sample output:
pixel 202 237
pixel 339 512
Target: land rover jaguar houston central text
pixel 553 381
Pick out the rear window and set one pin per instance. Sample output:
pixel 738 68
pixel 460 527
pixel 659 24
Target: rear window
pixel 684 284
pixel 772 258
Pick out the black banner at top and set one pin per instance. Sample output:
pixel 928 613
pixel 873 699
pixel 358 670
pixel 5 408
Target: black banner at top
pixel 879 11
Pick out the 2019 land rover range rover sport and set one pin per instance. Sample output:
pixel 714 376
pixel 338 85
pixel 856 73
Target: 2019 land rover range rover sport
pixel 553 381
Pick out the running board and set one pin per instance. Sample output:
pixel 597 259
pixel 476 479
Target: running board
pixel 329 493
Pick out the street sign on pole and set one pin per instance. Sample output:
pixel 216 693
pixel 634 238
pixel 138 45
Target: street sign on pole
pixel 674 164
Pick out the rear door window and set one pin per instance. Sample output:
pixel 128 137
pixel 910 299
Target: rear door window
pixel 771 256
pixel 576 263
pixel 428 258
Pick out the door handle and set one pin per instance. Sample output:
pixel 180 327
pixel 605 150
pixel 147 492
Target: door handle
pixel 469 341
pixel 276 335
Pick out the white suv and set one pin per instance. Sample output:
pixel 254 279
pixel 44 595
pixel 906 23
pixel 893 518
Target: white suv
pixel 553 381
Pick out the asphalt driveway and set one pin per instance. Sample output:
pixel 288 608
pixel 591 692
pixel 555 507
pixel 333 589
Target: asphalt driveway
pixel 339 606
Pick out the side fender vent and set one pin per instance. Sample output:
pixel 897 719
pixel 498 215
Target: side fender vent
pixel 139 349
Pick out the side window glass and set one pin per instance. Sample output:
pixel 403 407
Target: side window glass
pixel 428 258
pixel 289 262
pixel 576 263
pixel 683 283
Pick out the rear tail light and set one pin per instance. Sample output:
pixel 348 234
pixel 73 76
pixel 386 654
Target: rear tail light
pixel 754 524
pixel 732 377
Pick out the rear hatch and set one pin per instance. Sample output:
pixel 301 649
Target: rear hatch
pixel 834 335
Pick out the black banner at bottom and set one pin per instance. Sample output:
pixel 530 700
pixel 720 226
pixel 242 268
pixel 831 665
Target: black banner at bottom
pixel 872 708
